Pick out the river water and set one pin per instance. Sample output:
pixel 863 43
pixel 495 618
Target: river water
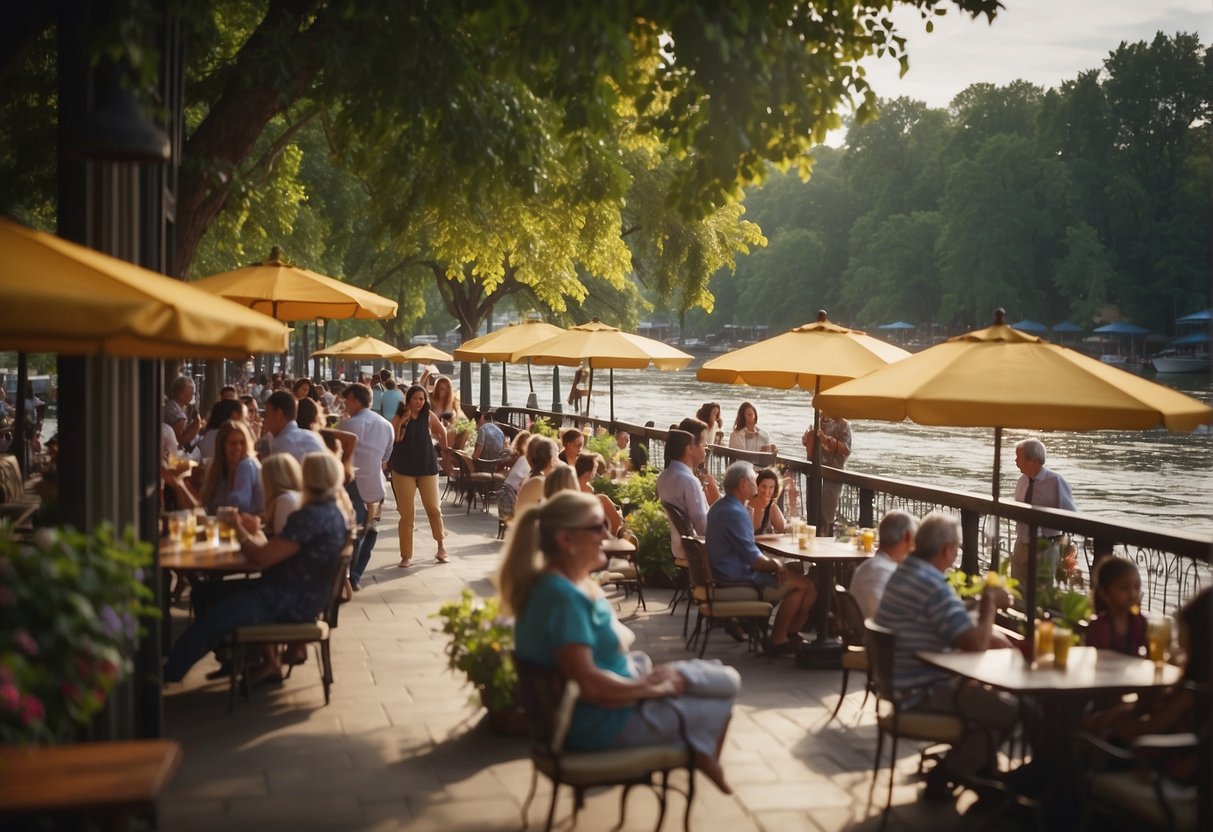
pixel 1155 478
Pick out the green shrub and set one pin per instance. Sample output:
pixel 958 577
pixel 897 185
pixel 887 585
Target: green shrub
pixel 481 640
pixel 648 521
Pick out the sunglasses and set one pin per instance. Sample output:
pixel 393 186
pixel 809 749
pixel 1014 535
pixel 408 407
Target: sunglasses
pixel 595 527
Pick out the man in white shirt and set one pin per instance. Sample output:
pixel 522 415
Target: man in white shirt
pixel 289 438
pixel 367 489
pixel 1038 486
pixel 679 484
pixel 896 535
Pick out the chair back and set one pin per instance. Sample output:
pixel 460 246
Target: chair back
pixel 850 617
pixel 337 582
pixel 627 534
pixel 678 519
pixel 880 659
pixel 697 561
pixel 547 698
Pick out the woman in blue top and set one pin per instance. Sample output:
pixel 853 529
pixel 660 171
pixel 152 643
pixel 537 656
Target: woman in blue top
pixel 296 572
pixel 233 477
pixel 563 621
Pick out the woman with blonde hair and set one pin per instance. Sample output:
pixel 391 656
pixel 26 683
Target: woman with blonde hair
pixel 282 481
pixel 560 478
pixel 588 466
pixel 296 573
pixel 444 400
pixel 519 468
pixel 541 454
pixel 233 477
pixel 564 622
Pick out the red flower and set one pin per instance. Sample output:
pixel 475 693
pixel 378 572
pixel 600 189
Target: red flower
pixel 25 642
pixel 31 710
pixel 10 697
pixel 70 691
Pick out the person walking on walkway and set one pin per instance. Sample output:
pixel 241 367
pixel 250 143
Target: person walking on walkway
pixel 414 464
pixel 371 453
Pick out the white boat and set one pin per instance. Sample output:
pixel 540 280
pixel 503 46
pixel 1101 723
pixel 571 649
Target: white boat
pixel 1188 352
pixel 1114 360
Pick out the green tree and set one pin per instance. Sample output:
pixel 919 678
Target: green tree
pixel 1086 274
pixel 897 275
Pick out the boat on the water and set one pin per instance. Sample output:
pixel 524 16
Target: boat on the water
pixel 1188 352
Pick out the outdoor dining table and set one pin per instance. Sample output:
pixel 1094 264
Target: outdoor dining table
pixel 1061 695
pixel 825 552
pixel 215 557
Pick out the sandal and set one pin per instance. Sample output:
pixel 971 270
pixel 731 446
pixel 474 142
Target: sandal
pixel 442 557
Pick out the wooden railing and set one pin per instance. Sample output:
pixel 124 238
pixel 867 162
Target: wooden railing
pixel 1173 565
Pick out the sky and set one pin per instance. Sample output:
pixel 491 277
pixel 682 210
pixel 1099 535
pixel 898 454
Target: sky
pixel 1045 42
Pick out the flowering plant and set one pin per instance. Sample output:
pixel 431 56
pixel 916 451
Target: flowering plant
pixel 70 605
pixel 480 646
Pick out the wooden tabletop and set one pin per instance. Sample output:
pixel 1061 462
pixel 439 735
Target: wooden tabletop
pixel 97 778
pixel 1087 671
pixel 820 549
pixel 204 557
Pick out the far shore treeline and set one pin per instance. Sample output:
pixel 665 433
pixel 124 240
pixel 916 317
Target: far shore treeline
pixel 1051 202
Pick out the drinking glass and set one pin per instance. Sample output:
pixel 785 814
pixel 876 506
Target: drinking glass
pixel 189 530
pixel 1062 639
pixel 228 517
pixel 1044 637
pixel 869 539
pixel 1158 639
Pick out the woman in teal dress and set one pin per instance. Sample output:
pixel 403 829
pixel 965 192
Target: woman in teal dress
pixel 563 621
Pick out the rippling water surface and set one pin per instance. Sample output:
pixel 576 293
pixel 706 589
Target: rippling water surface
pixel 1154 477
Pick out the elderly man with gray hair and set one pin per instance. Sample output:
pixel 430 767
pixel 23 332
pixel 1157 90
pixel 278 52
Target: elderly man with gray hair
pixel 1038 486
pixel 896 539
pixel 926 614
pixel 748 574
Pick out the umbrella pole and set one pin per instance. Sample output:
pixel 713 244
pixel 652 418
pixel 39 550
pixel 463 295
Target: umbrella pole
pixel 589 391
pixel 530 381
pixel 815 479
pixel 612 371
pixel 557 407
pixel 1029 598
pixel 994 544
pixel 505 399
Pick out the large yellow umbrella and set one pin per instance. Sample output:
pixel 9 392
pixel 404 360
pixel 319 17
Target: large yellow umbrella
pixel 360 346
pixel 815 356
pixel 604 347
pixel 58 296
pixel 501 344
pixel 423 353
pixel 1000 377
pixel 290 293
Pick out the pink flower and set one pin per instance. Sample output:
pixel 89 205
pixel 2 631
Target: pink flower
pixel 25 642
pixel 70 691
pixel 10 697
pixel 31 710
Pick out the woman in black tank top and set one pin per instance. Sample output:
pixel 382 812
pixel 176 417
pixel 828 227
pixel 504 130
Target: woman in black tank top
pixel 414 465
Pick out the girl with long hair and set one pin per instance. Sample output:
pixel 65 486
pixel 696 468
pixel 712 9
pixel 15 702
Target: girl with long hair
pixel 233 477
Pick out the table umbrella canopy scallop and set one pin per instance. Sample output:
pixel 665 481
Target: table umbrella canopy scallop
pixel 815 356
pixel 423 353
pixel 1001 377
pixel 59 296
pixel 291 293
pixel 360 346
pixel 501 344
pixel 602 346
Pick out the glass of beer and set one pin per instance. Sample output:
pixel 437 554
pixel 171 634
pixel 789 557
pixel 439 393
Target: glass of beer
pixel 1044 637
pixel 189 530
pixel 1062 639
pixel 868 537
pixel 228 516
pixel 1158 639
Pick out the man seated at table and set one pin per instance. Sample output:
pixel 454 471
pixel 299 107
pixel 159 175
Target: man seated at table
pixel 736 559
pixel 288 438
pixel 490 441
pixel 681 485
pixel 926 614
pixel 896 538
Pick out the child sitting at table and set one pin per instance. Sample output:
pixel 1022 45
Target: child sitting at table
pixel 1119 624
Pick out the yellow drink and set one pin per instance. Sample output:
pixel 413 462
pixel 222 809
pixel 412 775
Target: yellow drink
pixel 869 539
pixel 189 534
pixel 1044 638
pixel 1062 639
pixel 1158 639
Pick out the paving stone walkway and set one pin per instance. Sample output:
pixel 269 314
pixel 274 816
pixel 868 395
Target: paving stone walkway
pixel 401 747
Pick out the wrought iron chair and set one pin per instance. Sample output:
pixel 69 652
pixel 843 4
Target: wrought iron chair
pixel 548 700
pixel 854 655
pixel 307 632
pixel 756 614
pixel 682 583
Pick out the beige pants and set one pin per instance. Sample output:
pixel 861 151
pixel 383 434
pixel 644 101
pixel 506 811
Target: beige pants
pixel 406 488
pixel 1046 563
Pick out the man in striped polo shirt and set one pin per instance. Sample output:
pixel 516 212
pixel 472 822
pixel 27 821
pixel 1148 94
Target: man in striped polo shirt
pixel 926 614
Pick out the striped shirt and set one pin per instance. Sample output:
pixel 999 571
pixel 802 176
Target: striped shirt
pixel 924 613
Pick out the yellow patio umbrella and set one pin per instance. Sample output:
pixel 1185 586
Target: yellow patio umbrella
pixel 501 344
pixel 1000 377
pixel 360 346
pixel 291 293
pixel 815 356
pixel 604 347
pixel 423 353
pixel 58 296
